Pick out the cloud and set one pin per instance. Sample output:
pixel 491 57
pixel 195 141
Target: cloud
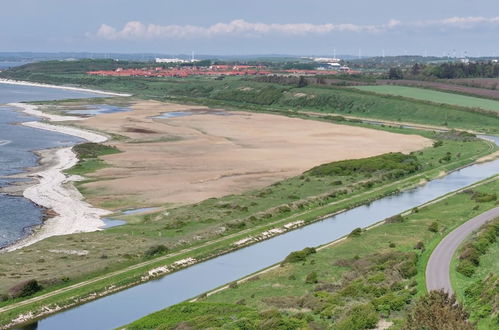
pixel 461 22
pixel 136 30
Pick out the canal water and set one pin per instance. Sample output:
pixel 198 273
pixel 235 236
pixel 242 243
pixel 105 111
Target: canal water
pixel 128 305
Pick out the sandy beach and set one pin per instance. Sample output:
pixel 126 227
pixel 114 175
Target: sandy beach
pixel 54 190
pixel 76 89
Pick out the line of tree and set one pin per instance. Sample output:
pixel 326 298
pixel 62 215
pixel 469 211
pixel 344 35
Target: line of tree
pixel 446 71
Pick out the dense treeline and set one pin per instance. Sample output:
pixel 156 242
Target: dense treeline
pixel 448 70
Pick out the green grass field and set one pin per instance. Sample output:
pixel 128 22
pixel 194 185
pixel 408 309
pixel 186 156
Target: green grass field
pixel 434 96
pixel 379 272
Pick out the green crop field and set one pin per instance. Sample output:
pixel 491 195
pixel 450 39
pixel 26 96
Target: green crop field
pixel 434 96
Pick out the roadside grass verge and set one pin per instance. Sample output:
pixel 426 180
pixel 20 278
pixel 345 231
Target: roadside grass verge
pixel 479 292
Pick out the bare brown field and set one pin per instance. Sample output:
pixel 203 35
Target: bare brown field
pixel 489 83
pixel 475 87
pixel 211 153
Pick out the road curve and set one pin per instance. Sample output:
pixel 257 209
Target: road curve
pixel 438 267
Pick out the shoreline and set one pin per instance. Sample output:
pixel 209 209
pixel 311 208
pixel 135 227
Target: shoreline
pixel 72 213
pixel 76 89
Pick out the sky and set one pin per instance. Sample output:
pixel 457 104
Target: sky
pixel 235 27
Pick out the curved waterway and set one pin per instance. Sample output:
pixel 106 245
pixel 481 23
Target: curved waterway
pixel 128 305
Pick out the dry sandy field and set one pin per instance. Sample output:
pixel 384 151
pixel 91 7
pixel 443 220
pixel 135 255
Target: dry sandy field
pixel 212 153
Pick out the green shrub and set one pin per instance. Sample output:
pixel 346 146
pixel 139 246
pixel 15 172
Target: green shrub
pixel 433 227
pixel 437 144
pixel 155 250
pixel 355 233
pixel 359 317
pixel 395 219
pixel 419 246
pixel 299 256
pixel 397 164
pixel 436 310
pixel 93 150
pixel 311 278
pixel 466 267
pixel 25 289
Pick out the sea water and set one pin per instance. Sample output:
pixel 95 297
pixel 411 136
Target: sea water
pixel 17 145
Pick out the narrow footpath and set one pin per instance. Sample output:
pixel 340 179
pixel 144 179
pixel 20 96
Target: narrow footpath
pixel 438 267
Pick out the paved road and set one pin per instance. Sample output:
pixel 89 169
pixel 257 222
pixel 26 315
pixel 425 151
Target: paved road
pixel 438 268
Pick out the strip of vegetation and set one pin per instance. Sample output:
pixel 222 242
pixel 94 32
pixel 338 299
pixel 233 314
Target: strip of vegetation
pixel 88 157
pixel 259 96
pixel 347 285
pixel 474 273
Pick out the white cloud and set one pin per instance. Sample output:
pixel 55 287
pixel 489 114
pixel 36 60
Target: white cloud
pixel 240 27
pixel 138 30
pixel 461 22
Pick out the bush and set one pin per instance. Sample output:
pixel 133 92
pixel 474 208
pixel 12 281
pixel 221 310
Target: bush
pixel 437 144
pixel 299 256
pixel 395 219
pixel 311 278
pixel 24 289
pixel 355 233
pixel 155 250
pixel 466 267
pixel 437 310
pixel 359 317
pixel 419 246
pixel 397 164
pixel 433 227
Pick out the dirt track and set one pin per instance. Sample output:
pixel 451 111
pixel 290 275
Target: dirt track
pixel 211 154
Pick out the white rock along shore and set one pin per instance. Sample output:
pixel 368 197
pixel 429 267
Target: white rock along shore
pixel 54 190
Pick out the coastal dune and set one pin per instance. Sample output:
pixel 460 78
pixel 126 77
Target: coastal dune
pixel 55 192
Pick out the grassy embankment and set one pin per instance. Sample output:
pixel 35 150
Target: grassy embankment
pixel 434 96
pixel 474 275
pixel 241 93
pixel 349 285
pixel 211 227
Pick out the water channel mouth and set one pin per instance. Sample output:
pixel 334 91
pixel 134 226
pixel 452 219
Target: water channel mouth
pixel 128 305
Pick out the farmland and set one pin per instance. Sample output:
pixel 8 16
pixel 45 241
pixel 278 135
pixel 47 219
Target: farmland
pixel 434 96
pixel 484 87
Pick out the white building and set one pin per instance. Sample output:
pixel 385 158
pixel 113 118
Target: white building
pixel 170 60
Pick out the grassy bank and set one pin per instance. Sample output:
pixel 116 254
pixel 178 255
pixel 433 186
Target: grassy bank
pixel 474 275
pixel 353 284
